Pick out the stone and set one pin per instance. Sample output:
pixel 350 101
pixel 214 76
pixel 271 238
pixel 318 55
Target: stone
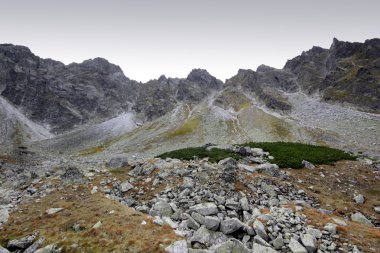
pixel 94 189
pixel 377 209
pixel 211 223
pixel 308 242
pixel 244 204
pixel 51 211
pixel 97 225
pixel 257 152
pixel 316 233
pixel 308 165
pixel 163 208
pixel 339 222
pixel 72 175
pixel 118 162
pixel 296 247
pixel 125 186
pixel 359 199
pixel 23 242
pixel 4 250
pixel 257 248
pixel 330 227
pixel 229 172
pixel 205 208
pixel 191 223
pixel 4 215
pixel 36 245
pixel 260 229
pixel 188 182
pixel 360 218
pixel 268 169
pixel 202 235
pixel 198 218
pixel 231 225
pixel 231 246
pixel 261 241
pixel 177 247
pixel 278 242
pixel 245 167
pixel 233 205
pixel 51 248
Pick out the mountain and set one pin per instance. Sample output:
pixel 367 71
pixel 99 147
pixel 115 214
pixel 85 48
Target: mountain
pixel 85 105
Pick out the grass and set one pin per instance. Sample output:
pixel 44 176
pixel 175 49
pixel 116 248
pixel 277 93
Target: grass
pixel 96 149
pixel 188 127
pixel 286 154
pixel 214 155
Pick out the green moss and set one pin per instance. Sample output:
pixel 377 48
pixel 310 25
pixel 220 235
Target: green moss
pixel 188 127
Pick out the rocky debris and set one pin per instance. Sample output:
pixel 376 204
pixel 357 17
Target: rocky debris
pixel 359 199
pixel 51 211
pixel 231 225
pixel 177 247
pixel 118 162
pixel 308 165
pixel 4 215
pixel 258 248
pixel 36 245
pixel 72 175
pixel 125 186
pixel 330 227
pixel 296 247
pixel 22 243
pixel 360 218
pixel 232 245
pixel 205 208
pixel 309 243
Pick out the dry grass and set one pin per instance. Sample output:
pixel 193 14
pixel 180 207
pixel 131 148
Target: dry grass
pixel 121 231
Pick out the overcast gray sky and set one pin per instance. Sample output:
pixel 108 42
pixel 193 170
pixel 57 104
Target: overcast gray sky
pixel 171 37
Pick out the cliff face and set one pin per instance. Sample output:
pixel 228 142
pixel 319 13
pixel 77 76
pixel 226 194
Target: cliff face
pixel 62 97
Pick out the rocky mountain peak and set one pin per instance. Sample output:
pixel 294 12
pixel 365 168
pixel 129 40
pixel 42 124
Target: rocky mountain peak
pixel 202 76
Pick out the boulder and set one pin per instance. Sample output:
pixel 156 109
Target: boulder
pixel 72 175
pixel 231 246
pixel 360 218
pixel 309 242
pixel 359 199
pixel 23 242
pixel 296 247
pixel 163 208
pixel 4 215
pixel 308 165
pixel 51 211
pixel 212 223
pixel 4 250
pixel 177 247
pixel 330 227
pixel 125 186
pixel 268 169
pixel 51 248
pixel 260 229
pixel 205 209
pixel 231 225
pixel 118 162
pixel 257 248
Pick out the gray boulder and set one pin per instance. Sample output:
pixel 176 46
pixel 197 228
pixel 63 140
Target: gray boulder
pixel 231 246
pixel 177 247
pixel 118 162
pixel 163 208
pixel 260 229
pixel 309 242
pixel 4 215
pixel 359 199
pixel 205 208
pixel 257 248
pixel 360 218
pixel 4 250
pixel 212 223
pixel 296 247
pixel 268 169
pixel 308 165
pixel 229 226
pixel 23 242
pixel 125 186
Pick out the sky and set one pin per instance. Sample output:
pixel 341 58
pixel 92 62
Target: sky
pixel 149 38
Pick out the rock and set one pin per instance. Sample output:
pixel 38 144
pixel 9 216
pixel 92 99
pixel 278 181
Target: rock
pixel 257 152
pixel 94 190
pixel 229 171
pixel 198 218
pixel 268 169
pixel 97 225
pixel 316 233
pixel 125 186
pixel 23 242
pixel 309 243
pixel 4 250
pixel 278 242
pixel 377 209
pixel 36 245
pixel 118 162
pixel 202 235
pixel 205 208
pixel 296 247
pixel 72 175
pixel 188 182
pixel 47 249
pixel 244 151
pixel 4 215
pixel 260 229
pixel 191 223
pixel 211 223
pixel 308 165
pixel 231 246
pixel 359 199
pixel 163 208
pixel 233 205
pixel 229 226
pixel 257 248
pixel 54 210
pixel 330 227
pixel 339 222
pixel 360 218
pixel 177 247
pixel 261 241
pixel 244 204
pixel 245 167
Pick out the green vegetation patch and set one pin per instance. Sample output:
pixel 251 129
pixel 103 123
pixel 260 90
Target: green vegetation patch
pixel 214 155
pixel 286 154
pixel 290 155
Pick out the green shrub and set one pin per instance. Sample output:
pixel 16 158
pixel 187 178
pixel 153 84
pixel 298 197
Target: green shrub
pixel 290 155
pixel 214 155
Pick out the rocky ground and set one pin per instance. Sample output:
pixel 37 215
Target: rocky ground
pixel 172 205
